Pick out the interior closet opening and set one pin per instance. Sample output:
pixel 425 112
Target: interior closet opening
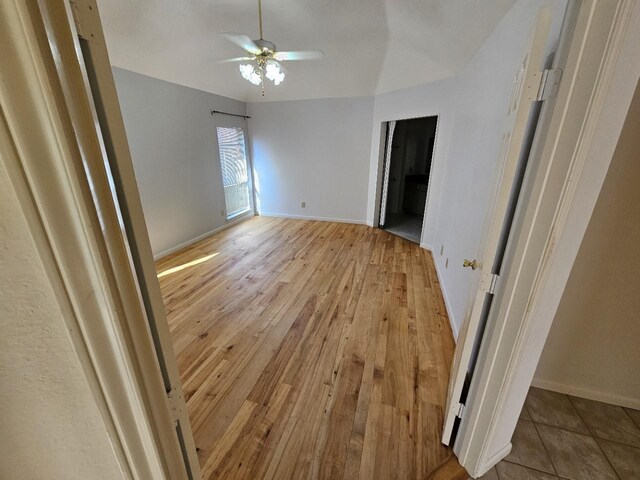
pixel 408 158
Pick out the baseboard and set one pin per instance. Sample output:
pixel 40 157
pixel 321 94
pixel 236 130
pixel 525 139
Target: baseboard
pixel 427 247
pixel 589 394
pixel 230 223
pixel 491 462
pixel 310 217
pixel 447 303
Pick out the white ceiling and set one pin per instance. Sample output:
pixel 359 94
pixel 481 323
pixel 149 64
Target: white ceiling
pixel 370 46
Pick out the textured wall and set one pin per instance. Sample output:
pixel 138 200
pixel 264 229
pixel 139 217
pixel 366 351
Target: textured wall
pixel 50 426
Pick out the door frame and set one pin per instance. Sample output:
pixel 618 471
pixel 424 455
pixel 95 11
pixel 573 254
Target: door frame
pixel 572 156
pixel 381 167
pixel 71 204
pixel 386 165
pixel 82 21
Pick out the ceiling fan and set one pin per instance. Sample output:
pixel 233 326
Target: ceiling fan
pixel 265 58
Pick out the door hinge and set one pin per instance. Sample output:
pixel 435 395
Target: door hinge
pixel 76 16
pixel 489 282
pixel 544 85
pixel 460 411
pixel 85 18
pixel 176 404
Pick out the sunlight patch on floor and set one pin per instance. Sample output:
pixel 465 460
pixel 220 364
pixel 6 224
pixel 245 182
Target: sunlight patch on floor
pixel 186 265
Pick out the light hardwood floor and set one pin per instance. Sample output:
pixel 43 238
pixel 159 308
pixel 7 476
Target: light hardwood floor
pixel 311 350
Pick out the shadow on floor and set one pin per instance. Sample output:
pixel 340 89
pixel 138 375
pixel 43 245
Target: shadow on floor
pixel 405 225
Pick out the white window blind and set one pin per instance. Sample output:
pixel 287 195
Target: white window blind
pixel 235 175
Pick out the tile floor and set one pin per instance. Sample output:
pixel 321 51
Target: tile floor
pixel 405 225
pixel 564 437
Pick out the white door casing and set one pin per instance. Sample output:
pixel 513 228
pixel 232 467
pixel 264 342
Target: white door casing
pixel 56 163
pixel 526 89
pixel 387 169
pixel 85 67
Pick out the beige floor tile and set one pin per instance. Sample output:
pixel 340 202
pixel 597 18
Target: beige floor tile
pixel 511 471
pixel 625 459
pixel 490 475
pixel 634 414
pixel 527 448
pixel 554 409
pixel 524 413
pixel 607 421
pixel 575 456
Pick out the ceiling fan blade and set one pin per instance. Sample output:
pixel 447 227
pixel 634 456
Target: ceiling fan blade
pixel 299 55
pixel 243 41
pixel 234 60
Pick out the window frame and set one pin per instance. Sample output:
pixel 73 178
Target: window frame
pixel 249 165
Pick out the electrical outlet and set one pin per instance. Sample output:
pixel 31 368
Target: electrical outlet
pixel 441 249
pixel 304 205
pixel 446 263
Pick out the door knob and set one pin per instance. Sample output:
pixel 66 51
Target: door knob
pixel 470 263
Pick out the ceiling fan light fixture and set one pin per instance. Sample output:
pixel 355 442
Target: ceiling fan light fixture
pixel 274 74
pixel 279 79
pixel 264 56
pixel 249 73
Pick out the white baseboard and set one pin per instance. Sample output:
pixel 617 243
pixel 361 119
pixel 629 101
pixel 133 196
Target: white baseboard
pixel 427 247
pixel 309 217
pixel 230 223
pixel 452 322
pixel 589 394
pixel 491 462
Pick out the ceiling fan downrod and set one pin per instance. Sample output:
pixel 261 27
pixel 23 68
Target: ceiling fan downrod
pixel 260 17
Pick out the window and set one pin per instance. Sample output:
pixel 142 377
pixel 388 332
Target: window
pixel 235 175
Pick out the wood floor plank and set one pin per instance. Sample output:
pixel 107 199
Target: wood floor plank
pixel 311 350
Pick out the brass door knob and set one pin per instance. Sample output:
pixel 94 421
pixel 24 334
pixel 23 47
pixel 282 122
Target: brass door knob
pixel 470 263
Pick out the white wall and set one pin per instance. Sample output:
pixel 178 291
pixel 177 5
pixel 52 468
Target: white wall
pixel 313 151
pixel 50 425
pixel 472 115
pixel 172 137
pixel 593 346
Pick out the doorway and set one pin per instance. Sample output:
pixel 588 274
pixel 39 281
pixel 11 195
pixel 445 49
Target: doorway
pixel 408 159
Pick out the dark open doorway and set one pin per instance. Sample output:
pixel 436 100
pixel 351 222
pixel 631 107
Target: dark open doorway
pixel 406 180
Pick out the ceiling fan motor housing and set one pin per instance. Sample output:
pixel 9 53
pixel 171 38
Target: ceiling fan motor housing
pixel 265 45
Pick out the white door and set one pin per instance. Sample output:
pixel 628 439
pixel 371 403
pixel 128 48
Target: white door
pixel 528 88
pixel 387 168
